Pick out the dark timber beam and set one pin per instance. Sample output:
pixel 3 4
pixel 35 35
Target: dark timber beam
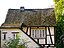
pixel 38 40
pixel 45 35
pixel 54 35
pixel 30 31
pixel 0 38
pixel 50 35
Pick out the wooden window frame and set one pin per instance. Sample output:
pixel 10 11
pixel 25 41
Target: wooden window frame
pixel 34 34
pixel 14 34
pixel 4 33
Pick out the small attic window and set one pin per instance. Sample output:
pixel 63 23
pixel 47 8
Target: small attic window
pixel 4 34
pixel 15 34
pixel 21 8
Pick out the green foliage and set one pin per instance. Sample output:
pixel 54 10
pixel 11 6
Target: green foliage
pixel 59 7
pixel 14 43
pixel 59 32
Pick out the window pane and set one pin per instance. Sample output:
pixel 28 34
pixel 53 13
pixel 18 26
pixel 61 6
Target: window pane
pixel 37 34
pixel 32 33
pixel 4 34
pixel 42 34
pixel 4 37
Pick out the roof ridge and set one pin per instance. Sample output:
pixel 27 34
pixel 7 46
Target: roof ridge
pixel 33 9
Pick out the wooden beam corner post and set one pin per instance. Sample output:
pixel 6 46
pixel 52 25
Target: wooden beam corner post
pixel 30 31
pixel 0 38
pixel 45 35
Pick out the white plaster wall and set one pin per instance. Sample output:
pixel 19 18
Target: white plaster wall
pixel 51 30
pixel 52 33
pixel 31 44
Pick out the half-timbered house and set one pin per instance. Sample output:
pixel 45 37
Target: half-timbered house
pixel 35 25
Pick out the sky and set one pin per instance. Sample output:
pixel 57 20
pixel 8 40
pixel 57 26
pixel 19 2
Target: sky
pixel 16 4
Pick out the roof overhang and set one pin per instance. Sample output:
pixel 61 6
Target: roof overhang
pixel 23 26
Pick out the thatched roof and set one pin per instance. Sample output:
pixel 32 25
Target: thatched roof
pixel 30 17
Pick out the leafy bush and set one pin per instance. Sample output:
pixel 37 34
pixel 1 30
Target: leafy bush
pixel 14 43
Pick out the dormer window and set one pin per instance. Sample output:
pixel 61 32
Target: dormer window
pixel 35 33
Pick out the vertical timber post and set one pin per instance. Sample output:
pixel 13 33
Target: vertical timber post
pixel 54 35
pixel 45 35
pixel 30 31
pixel 0 38
pixel 38 40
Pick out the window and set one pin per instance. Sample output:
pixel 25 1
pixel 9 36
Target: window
pixel 15 34
pixel 42 33
pixel 35 33
pixel 4 33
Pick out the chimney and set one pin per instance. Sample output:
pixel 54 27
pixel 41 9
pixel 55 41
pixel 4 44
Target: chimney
pixel 21 8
